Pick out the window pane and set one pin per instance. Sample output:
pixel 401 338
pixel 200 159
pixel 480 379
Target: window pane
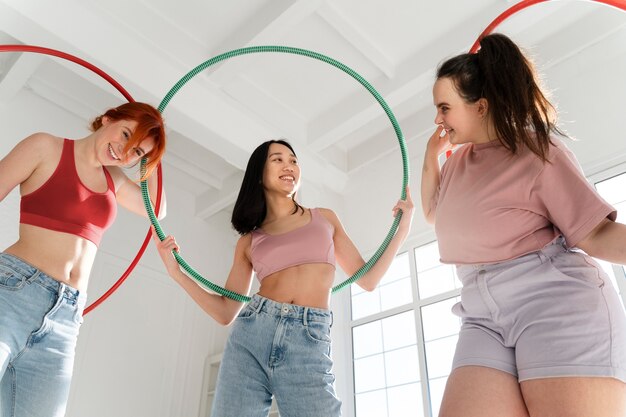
pixel 396 294
pixel 436 387
pixel 399 330
pixel 387 372
pixel 439 355
pixel 393 290
pixel 369 373
pixel 398 269
pixel 438 320
pixel 405 401
pixel 371 404
pixel 367 339
pixel 426 257
pixel 402 366
pixel 365 304
pixel 437 280
pixel 613 190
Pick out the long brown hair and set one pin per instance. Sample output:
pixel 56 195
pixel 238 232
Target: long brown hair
pixel 500 73
pixel 149 124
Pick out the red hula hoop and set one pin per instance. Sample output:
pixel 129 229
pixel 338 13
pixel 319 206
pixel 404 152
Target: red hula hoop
pixel 620 4
pixel 118 87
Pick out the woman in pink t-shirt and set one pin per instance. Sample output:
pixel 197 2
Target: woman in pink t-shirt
pixel 544 332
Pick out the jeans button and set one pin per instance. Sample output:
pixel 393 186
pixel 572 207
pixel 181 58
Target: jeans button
pixel 285 309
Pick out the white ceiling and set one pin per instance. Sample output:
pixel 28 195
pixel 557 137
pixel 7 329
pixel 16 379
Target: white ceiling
pixel 222 114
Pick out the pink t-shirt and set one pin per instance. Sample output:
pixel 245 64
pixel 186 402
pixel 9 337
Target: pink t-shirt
pixel 493 206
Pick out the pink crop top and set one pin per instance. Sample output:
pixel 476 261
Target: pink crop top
pixel 311 243
pixel 64 204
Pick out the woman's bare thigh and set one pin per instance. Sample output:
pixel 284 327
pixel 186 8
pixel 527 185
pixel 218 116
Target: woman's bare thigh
pixel 575 397
pixel 477 391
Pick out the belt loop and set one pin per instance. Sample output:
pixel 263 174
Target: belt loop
pixel 34 276
pixel 305 316
pixel 542 256
pixel 61 291
pixel 258 308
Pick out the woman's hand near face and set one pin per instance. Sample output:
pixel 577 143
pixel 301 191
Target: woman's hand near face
pixel 438 143
pixel 431 177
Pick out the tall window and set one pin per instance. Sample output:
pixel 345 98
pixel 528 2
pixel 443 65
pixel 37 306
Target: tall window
pixel 404 333
pixel 403 337
pixel 613 189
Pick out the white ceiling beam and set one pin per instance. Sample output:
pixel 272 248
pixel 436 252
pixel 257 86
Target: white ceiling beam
pixel 261 103
pixel 422 121
pixel 339 121
pixel 251 29
pixel 411 77
pixel 357 38
pixel 277 29
pixel 206 107
pixel 63 97
pixel 191 169
pixel 196 112
pixel 379 145
pixel 211 202
pixel 18 75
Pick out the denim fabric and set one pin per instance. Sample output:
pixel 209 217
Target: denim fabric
pixel 39 322
pixel 282 350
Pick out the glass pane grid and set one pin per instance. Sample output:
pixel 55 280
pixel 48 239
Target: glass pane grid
pixel 433 277
pixel 613 190
pixel 394 290
pixel 387 379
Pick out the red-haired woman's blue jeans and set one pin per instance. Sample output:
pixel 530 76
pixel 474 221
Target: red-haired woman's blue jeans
pixel 39 322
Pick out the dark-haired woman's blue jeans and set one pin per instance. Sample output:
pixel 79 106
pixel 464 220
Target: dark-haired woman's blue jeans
pixel 282 350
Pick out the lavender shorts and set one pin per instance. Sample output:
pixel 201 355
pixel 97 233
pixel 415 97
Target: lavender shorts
pixel 551 313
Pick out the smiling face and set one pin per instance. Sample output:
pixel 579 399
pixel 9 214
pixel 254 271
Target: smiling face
pixel 465 122
pixel 281 172
pixel 113 138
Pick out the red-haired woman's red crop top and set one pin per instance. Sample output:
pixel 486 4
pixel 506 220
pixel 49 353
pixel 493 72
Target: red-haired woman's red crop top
pixel 64 204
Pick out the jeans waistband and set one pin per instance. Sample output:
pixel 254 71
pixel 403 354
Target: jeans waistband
pixel 548 251
pixel 306 314
pixel 36 276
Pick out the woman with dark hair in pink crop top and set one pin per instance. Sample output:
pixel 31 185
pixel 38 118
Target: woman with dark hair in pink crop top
pixel 70 191
pixel 543 331
pixel 280 342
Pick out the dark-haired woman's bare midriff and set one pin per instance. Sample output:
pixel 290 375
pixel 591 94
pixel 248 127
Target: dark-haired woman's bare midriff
pixel 306 285
pixel 65 257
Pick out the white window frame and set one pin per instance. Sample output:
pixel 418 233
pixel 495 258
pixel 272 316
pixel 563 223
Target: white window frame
pixel 417 304
pixel 603 174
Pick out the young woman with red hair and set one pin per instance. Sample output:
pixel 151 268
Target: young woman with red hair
pixel 70 191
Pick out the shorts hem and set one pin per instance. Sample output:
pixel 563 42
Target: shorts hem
pixel 500 366
pixel 572 372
